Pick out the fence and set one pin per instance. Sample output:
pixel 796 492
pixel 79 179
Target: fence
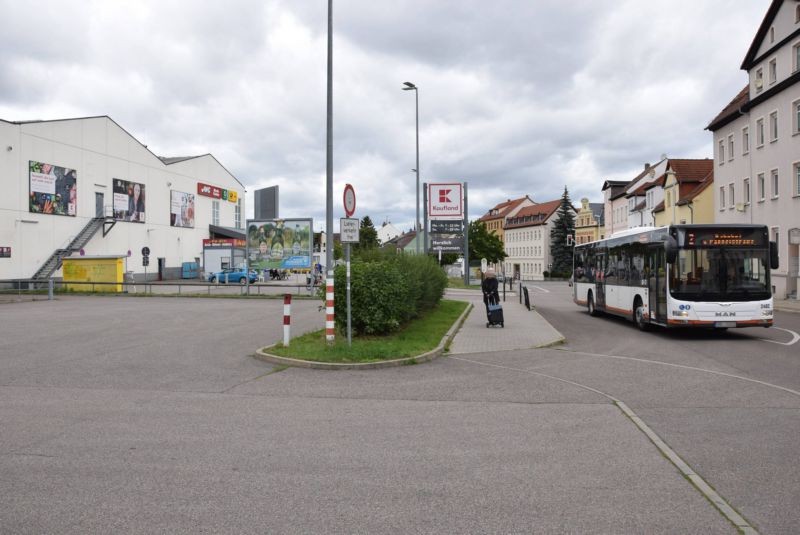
pixel 32 290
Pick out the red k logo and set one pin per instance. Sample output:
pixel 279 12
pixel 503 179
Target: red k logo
pixel 443 195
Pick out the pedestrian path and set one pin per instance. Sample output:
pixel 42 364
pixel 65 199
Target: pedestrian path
pixel 524 329
pixel 787 305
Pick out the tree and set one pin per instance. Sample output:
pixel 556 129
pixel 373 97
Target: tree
pixel 485 244
pixel 563 226
pixel 367 235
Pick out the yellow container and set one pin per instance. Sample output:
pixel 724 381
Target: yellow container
pixel 94 269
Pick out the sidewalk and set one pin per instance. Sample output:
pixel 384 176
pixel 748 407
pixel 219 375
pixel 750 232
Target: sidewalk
pixel 786 305
pixel 524 329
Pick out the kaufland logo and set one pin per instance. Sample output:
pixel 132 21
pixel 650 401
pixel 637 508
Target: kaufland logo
pixel 445 200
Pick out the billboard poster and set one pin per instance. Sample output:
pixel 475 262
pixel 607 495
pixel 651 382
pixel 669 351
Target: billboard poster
pixel 445 201
pixel 52 189
pixel 280 244
pixel 129 201
pixel 181 209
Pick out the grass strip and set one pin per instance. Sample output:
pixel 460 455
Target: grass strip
pixel 458 282
pixel 418 336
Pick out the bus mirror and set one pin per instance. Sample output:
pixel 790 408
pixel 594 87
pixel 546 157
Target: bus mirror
pixel 671 248
pixel 774 261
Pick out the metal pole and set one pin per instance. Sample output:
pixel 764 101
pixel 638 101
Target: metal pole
pixel 349 327
pixel 416 221
pixel 466 239
pixel 50 289
pixel 329 336
pixel 425 217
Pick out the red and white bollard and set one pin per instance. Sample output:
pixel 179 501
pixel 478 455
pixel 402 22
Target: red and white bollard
pixel 329 328
pixel 287 317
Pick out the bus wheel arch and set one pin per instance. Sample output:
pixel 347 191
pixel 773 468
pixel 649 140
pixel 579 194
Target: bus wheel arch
pixel 590 304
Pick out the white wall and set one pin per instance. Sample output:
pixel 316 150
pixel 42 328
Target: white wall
pixel 100 151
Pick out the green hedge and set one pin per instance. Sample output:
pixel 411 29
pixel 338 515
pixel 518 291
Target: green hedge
pixel 387 291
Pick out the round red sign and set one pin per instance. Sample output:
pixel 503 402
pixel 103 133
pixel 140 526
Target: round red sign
pixel 349 200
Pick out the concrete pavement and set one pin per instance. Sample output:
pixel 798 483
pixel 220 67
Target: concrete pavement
pixel 524 329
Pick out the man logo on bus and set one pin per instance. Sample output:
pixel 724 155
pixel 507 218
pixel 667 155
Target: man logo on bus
pixel 443 195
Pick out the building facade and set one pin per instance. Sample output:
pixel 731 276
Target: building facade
pixel 757 142
pixel 87 187
pixel 527 242
pixel 589 224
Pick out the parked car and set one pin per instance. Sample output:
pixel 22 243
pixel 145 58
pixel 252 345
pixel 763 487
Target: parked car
pixel 233 275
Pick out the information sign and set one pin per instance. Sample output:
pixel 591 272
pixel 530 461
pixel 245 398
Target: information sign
pixel 445 226
pixel 450 244
pixel 348 230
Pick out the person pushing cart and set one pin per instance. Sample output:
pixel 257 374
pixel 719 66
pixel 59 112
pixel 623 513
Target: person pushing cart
pixel 491 298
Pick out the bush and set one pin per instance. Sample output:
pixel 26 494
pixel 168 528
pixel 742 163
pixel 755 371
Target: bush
pixel 387 291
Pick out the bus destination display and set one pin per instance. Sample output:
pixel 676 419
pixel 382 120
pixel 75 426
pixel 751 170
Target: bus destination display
pixel 716 238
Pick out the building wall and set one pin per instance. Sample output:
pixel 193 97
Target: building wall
pixel 100 151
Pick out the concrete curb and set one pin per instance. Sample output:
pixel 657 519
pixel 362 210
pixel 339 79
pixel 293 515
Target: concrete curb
pixel 262 354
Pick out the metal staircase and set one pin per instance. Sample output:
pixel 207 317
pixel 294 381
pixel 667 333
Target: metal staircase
pixel 54 262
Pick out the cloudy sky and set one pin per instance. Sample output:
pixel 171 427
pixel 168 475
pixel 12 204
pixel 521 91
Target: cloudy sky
pixel 515 97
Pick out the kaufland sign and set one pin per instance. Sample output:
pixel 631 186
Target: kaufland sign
pixel 445 200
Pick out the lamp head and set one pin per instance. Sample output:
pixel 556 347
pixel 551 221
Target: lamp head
pixel 408 86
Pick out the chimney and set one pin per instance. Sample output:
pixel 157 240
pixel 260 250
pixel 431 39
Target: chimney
pixel 646 166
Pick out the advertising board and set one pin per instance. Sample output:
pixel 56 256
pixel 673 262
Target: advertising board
pixel 445 200
pixel 52 189
pixel 280 244
pixel 129 201
pixel 181 209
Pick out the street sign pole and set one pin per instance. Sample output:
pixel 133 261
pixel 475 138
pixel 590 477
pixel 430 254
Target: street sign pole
pixel 466 239
pixel 347 263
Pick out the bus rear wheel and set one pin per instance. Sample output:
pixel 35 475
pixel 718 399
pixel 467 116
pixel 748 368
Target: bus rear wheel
pixel 590 305
pixel 638 316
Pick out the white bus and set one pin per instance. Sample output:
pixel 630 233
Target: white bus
pixel 712 276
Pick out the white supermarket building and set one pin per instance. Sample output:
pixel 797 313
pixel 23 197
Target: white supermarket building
pixel 85 186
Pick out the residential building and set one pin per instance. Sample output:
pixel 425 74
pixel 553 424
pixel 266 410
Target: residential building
pixel 613 191
pixel 589 224
pixel 65 181
pixel 527 241
pixel 643 194
pixel 687 194
pixel 757 142
pixel 495 218
pixel 386 232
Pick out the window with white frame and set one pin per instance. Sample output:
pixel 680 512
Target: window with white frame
pixel 730 147
pixel 650 200
pixel 746 190
pixel 796 58
pixel 760 132
pixel 773 178
pixel 731 195
pixel 238 214
pixel 759 80
pixel 215 213
pixel 722 152
pixel 796 117
pixel 722 197
pixel 745 140
pixel 762 188
pixel 773 70
pixel 797 179
pixel 773 126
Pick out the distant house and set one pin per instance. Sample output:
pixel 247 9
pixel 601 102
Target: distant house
pixel 387 231
pixel 495 219
pixel 527 241
pixel 589 225
pixel 688 197
pixel 406 242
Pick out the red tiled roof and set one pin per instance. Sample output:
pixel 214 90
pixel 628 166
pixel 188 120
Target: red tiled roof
pixel 503 208
pixel 659 207
pixel 731 111
pixel 691 170
pixel 700 188
pixel 531 216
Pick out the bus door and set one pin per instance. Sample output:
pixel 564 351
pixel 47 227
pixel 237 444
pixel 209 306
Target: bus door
pixel 600 280
pixel 658 284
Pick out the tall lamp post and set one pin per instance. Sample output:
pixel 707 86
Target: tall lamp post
pixel 411 87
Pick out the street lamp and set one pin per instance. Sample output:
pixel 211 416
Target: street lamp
pixel 411 87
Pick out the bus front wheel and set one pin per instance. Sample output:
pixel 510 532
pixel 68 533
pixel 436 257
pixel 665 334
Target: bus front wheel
pixel 638 316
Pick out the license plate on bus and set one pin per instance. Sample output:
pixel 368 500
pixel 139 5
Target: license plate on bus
pixel 725 324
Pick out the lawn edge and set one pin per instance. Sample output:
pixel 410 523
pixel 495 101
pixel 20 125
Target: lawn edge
pixel 263 354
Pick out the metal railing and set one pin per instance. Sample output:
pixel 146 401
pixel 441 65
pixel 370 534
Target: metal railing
pixel 32 289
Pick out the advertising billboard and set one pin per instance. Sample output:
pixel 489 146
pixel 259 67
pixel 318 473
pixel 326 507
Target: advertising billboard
pixel 52 189
pixel 181 209
pixel 129 201
pixel 280 244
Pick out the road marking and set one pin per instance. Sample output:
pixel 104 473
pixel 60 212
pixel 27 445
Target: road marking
pixel 670 364
pixel 795 338
pixel 683 467
pixel 542 289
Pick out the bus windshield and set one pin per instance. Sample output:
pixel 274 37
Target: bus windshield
pixel 720 274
